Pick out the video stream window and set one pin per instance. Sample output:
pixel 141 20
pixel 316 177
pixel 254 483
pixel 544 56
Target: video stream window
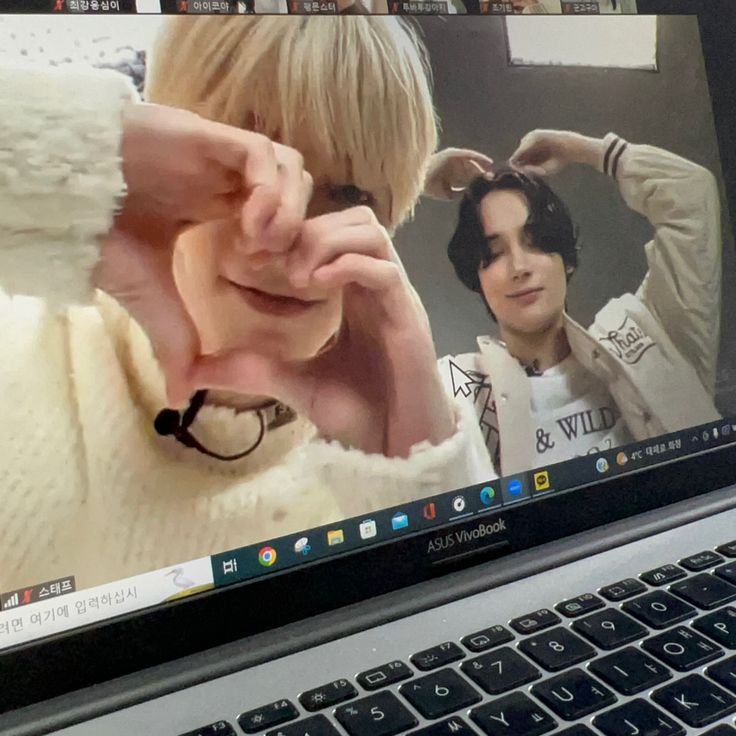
pixel 541 277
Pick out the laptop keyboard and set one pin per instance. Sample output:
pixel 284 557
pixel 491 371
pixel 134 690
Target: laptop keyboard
pixel 653 656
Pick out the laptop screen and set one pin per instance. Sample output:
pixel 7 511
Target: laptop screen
pixel 505 282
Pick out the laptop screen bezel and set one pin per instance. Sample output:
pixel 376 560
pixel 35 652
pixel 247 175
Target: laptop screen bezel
pixel 59 664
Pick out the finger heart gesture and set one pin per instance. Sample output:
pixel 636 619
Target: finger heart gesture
pixel 375 385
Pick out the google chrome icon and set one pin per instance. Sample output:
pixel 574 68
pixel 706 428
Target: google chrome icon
pixel 267 556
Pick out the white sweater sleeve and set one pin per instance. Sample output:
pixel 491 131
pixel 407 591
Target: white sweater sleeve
pixel 458 462
pixel 60 176
pixel 682 287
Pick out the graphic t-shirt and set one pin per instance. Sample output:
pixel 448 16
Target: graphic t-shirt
pixel 574 414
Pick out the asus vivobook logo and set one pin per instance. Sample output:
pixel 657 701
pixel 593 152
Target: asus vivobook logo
pixel 466 536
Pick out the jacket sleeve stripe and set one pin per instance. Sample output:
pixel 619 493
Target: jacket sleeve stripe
pixel 614 168
pixel 607 156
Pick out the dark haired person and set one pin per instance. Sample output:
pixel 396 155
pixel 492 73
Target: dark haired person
pixel 550 389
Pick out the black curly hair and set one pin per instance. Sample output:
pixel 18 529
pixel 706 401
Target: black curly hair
pixel 549 225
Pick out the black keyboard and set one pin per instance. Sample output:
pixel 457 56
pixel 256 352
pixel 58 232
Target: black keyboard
pixel 653 656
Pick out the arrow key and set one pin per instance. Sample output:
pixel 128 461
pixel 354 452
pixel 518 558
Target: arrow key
pixel 439 694
pixel 695 701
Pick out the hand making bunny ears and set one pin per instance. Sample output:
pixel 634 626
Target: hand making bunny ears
pixel 451 171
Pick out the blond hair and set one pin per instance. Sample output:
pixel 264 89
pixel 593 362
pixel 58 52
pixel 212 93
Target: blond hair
pixel 357 89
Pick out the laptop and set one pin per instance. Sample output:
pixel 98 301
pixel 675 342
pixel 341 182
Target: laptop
pixel 592 594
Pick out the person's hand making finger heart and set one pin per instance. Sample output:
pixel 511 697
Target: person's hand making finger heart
pixel 375 384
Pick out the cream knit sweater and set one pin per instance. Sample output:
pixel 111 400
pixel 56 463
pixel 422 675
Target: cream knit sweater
pixel 87 486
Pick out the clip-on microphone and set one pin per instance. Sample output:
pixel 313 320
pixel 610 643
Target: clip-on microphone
pixel 170 422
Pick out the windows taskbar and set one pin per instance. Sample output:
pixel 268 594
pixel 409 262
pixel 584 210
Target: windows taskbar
pixel 386 525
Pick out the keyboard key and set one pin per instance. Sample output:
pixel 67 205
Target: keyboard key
pixel 630 671
pixel 439 656
pixel 728 549
pixel 580 605
pixel 486 639
pixel 327 695
pixel 636 718
pixel 500 670
pixel 386 674
pixel 573 694
pixel 557 649
pixel 719 626
pixel 722 730
pixel 377 715
pixel 724 673
pixel 701 561
pixel 623 589
pixel 451 727
pixel 727 572
pixel 513 714
pixel 220 728
pixel 533 622
pixel 658 609
pixel 682 649
pixel 439 694
pixel 705 591
pixel 312 726
pixel 610 629
pixel 695 700
pixel 267 716
pixel 663 575
pixel 578 730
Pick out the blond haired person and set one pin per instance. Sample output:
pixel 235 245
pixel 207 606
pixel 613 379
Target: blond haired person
pixel 228 269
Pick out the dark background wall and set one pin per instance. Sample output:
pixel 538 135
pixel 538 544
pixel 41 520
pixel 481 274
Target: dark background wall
pixel 485 104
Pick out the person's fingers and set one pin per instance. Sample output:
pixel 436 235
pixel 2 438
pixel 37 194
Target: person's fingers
pixel 385 277
pixel 354 268
pixel 464 166
pixel 175 342
pixel 526 145
pixel 540 171
pixel 534 156
pixel 251 156
pixel 479 161
pixel 258 211
pixel 175 365
pixel 321 245
pixel 295 186
pixel 140 277
pixel 470 168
